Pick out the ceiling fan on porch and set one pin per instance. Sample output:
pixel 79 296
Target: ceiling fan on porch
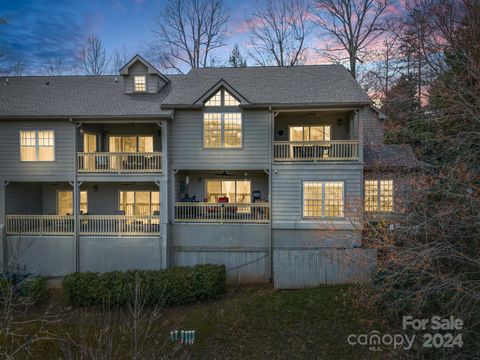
pixel 224 173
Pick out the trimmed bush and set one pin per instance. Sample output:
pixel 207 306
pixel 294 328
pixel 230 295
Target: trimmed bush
pixel 33 288
pixel 30 288
pixel 173 286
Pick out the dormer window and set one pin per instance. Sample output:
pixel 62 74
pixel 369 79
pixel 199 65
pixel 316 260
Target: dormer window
pixel 139 83
pixel 222 98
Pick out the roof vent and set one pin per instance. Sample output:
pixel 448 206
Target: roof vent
pixel 116 79
pixel 6 81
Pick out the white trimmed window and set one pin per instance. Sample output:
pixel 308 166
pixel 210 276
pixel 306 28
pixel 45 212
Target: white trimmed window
pixel 37 145
pixel 222 98
pixel 323 199
pixel 222 130
pixel 139 83
pixel 379 195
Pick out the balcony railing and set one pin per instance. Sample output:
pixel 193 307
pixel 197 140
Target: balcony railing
pixel 130 225
pixel 115 225
pixel 39 225
pixel 117 162
pixel 192 212
pixel 315 150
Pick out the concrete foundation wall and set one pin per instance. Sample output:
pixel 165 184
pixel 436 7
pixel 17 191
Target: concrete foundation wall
pixel 43 255
pixel 103 254
pixel 242 248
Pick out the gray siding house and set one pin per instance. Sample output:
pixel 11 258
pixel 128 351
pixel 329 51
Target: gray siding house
pixel 267 170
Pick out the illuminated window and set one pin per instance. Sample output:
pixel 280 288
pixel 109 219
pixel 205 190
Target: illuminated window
pixel 65 202
pixel 379 195
pixel 237 191
pixel 37 145
pixel 215 100
pixel 323 199
pixel 310 133
pixel 222 98
pixel 229 100
pixel 139 202
pixel 140 83
pixel 222 130
pixel 130 144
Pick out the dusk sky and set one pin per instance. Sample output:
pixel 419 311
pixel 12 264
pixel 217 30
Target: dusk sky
pixel 37 30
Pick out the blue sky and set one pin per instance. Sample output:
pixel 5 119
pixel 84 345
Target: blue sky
pixel 41 29
pixel 38 30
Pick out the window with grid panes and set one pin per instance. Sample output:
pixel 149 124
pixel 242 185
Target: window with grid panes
pixel 37 145
pixel 378 195
pixel 323 199
pixel 222 130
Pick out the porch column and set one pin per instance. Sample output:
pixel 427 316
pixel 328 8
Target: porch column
pixel 359 121
pixel 3 237
pixel 163 188
pixel 164 199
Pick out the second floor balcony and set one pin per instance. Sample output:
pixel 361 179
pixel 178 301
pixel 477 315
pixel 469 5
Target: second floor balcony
pixel 333 150
pixel 311 136
pixel 119 162
pixel 120 149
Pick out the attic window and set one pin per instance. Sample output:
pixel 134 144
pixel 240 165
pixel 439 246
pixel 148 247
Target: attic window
pixel 139 83
pixel 222 98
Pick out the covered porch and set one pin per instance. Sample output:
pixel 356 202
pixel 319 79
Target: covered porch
pixel 317 135
pixel 119 148
pixel 106 209
pixel 221 196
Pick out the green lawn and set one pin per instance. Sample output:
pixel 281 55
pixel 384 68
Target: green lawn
pixel 248 322
pixel 255 322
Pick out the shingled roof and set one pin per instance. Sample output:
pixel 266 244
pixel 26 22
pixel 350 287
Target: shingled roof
pixel 104 96
pixel 75 96
pixel 297 85
pixel 390 156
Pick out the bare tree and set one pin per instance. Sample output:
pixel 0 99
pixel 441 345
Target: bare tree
pixel 93 57
pixel 120 57
pixel 278 31
pixel 188 31
pixel 54 67
pixel 352 25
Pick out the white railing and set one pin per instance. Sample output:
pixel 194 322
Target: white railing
pixel 39 225
pixel 130 225
pixel 221 213
pixel 117 162
pixel 315 150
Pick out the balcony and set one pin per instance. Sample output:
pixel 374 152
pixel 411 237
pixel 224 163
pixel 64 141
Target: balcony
pixel 89 225
pixel 119 162
pixel 201 212
pixel 333 150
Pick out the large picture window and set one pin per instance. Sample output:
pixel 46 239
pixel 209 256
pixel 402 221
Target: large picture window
pixel 65 202
pixel 379 195
pixel 323 199
pixel 222 130
pixel 237 191
pixel 139 202
pixel 37 145
pixel 130 144
pixel 310 133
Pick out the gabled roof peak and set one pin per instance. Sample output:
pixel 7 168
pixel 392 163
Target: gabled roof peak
pixel 150 68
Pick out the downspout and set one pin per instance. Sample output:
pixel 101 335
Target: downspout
pixel 270 174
